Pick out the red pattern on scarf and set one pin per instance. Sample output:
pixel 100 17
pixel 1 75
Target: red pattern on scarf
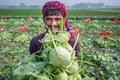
pixel 55 5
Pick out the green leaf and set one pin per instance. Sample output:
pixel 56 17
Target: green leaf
pixel 29 58
pixel 30 67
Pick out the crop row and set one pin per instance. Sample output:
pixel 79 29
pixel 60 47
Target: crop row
pixel 100 45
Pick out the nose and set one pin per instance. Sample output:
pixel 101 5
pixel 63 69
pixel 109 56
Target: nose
pixel 53 23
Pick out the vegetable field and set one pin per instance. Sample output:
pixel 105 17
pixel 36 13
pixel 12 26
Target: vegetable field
pixel 72 12
pixel 99 57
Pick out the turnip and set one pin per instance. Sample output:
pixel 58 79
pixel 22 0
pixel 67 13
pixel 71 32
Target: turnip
pixel 62 76
pixel 60 58
pixel 63 36
pixel 75 77
pixel 69 48
pixel 73 68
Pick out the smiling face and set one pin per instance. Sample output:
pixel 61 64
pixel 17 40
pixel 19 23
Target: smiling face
pixel 52 19
pixel 53 22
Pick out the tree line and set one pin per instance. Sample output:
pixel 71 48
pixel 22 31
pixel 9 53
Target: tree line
pixel 75 6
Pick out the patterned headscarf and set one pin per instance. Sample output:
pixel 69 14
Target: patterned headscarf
pixel 55 5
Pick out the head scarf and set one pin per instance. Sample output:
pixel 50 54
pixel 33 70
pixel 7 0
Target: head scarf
pixel 55 5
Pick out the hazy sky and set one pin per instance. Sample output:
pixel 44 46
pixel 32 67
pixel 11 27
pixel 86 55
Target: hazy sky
pixel 68 2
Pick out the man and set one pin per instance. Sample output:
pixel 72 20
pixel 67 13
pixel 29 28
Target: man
pixel 53 12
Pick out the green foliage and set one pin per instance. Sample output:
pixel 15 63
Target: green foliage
pixel 72 12
pixel 99 58
pixel 35 67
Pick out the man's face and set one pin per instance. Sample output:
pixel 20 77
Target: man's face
pixel 53 21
